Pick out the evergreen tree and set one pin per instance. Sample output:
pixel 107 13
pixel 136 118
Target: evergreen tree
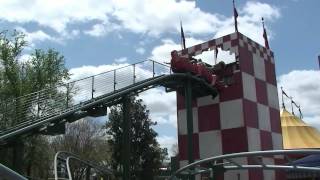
pixel 146 155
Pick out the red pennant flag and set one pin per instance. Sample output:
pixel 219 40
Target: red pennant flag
pixel 265 36
pixel 183 40
pixel 235 14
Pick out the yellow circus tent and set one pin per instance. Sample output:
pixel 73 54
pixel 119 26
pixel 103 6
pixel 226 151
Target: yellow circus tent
pixel 296 133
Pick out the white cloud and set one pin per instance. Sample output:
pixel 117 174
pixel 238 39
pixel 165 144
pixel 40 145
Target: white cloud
pixel 162 106
pixel 97 30
pixel 255 10
pixel 102 29
pixel 167 142
pixel 140 16
pixel 249 23
pixel 140 50
pixel 249 20
pixel 37 36
pixel 54 14
pixel 121 60
pixel 304 87
pixel 25 58
pixel 75 32
pixel 162 52
pixel 86 71
pixel 163 16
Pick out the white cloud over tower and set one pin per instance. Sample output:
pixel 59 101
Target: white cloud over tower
pixel 139 16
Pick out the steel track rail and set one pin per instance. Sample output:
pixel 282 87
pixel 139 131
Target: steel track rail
pixel 161 80
pixel 188 169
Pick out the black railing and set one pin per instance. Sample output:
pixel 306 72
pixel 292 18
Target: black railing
pixel 61 98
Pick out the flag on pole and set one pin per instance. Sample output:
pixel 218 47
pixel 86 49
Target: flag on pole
pixel 265 37
pixel 216 55
pixel 235 14
pixel 183 40
pixel 319 61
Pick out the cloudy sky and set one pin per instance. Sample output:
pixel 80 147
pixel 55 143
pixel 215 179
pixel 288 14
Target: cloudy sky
pixel 98 35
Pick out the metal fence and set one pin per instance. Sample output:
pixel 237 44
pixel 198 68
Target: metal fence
pixel 56 100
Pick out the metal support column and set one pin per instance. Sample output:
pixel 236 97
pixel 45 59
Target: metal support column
pixel 188 103
pixel 88 171
pixel 126 138
pixel 18 148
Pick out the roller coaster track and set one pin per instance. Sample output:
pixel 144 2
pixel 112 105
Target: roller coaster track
pixel 41 111
pixel 211 166
pixel 63 168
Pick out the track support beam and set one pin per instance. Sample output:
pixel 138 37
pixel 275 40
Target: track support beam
pixel 188 104
pixel 18 149
pixel 126 138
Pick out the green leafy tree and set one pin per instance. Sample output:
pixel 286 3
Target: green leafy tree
pixel 12 75
pixel 146 154
pixel 44 69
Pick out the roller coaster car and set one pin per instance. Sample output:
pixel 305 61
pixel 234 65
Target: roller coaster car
pixel 183 64
pixel 225 72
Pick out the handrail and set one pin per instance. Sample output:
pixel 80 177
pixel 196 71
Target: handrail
pixel 109 97
pixel 8 173
pixel 69 156
pixel 62 97
pixel 106 171
pixel 225 157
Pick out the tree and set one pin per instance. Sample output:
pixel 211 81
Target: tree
pixel 146 153
pixel 44 69
pixel 84 138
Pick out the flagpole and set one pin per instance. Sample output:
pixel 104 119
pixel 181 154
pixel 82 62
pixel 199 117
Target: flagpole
pixel 319 61
pixel 235 15
pixel 183 40
pixel 215 55
pixel 265 36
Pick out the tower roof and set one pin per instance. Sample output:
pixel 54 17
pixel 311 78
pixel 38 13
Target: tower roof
pixel 296 133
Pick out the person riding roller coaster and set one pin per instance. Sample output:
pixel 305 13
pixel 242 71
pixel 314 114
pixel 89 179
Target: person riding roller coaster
pixel 195 67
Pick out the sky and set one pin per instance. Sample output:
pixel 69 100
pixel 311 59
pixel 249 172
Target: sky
pixel 99 35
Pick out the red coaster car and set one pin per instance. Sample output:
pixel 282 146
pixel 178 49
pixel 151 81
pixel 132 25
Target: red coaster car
pixel 182 64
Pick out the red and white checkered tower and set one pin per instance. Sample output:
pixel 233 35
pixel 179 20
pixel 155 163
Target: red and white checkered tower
pixel 243 117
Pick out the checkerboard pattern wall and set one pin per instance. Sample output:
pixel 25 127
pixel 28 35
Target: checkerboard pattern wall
pixel 243 117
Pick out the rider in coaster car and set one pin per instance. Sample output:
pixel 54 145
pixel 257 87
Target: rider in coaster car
pixel 204 72
pixel 181 64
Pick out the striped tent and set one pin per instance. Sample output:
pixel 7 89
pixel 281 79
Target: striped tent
pixel 296 133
